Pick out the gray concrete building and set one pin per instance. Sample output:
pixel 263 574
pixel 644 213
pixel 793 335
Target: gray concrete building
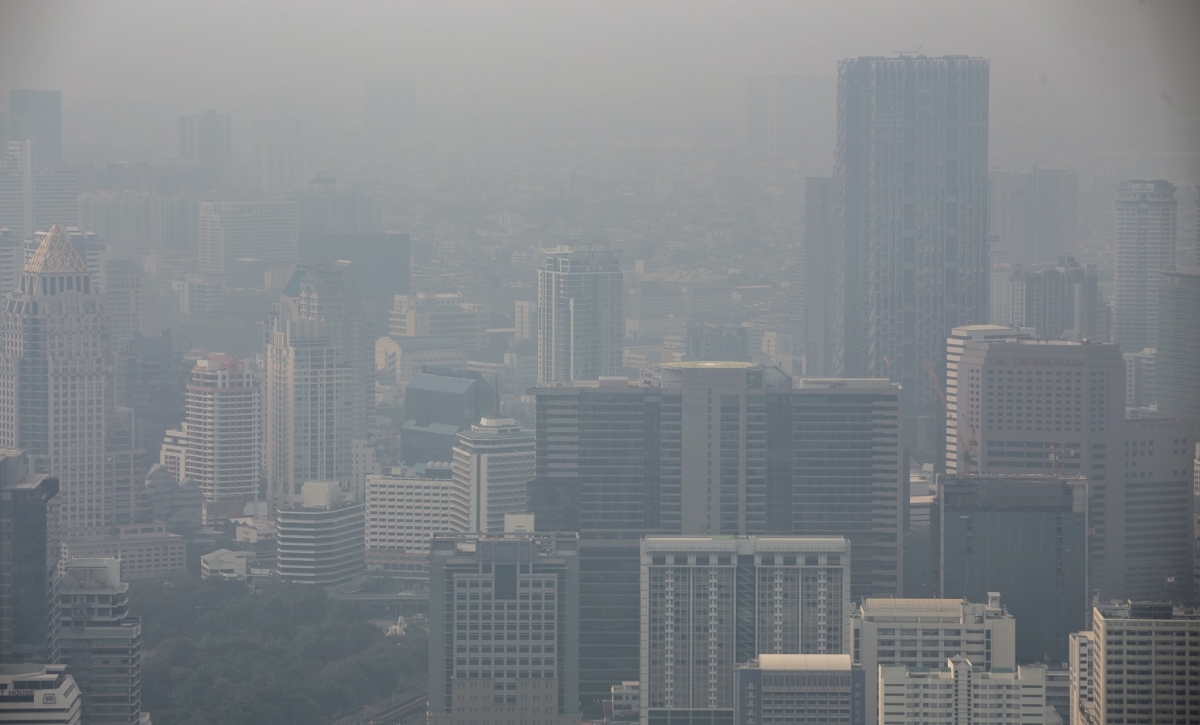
pixel 581 318
pixel 1145 248
pixel 1177 358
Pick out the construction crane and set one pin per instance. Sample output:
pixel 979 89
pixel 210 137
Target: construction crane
pixel 967 447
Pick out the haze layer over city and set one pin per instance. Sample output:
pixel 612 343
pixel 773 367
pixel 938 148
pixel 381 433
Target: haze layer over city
pixel 677 363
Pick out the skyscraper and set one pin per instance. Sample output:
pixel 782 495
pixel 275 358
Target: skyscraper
pixel 1177 359
pixel 525 670
pixel 29 554
pixel 581 320
pixel 820 256
pixel 710 604
pixel 1145 248
pixel 37 116
pixel 56 387
pixel 318 384
pixel 910 199
pixel 262 229
pixel 1061 301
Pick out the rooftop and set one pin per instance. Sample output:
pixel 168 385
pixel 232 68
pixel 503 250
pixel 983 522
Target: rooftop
pixel 804 662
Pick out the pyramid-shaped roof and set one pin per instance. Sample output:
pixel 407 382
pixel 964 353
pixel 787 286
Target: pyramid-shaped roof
pixel 56 255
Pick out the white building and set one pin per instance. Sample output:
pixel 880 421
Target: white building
pixel 955 344
pixel 493 462
pixel 226 564
pixel 404 511
pixel 1140 663
pixel 694 630
pixel 438 315
pixel 265 229
pixel 42 694
pixel 799 689
pixel 320 537
pixel 960 693
pixel 927 632
pixel 220 442
pixel 581 317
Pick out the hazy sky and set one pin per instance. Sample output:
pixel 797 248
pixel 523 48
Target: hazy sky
pixel 1077 79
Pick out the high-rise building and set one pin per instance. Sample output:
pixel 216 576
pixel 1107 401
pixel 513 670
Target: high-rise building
pixel 1162 685
pixel 1062 301
pixel 819 272
pixel 1177 358
pixel 29 554
pixel 206 139
pixel 98 641
pixel 1145 248
pixel 1026 536
pixel 56 388
pixel 140 222
pixel 44 694
pixel 1140 389
pixel 494 462
pixel 406 509
pixel 321 537
pixel 36 192
pixel 1057 406
pixel 1035 214
pixel 318 388
pixel 441 315
pixel 151 378
pixel 524 669
pixel 581 319
pixel 37 116
pixel 954 351
pixel 961 693
pixel 125 303
pixel 797 689
pixel 848 476
pixel 712 603
pixel 525 320
pixel 926 633
pixel 264 229
pixel 910 199
pixel 221 435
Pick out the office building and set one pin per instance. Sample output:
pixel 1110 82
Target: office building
pixel 1162 684
pixel 151 379
pixel 437 407
pixel 1062 301
pixel 494 462
pixel 819 273
pixel 848 476
pixel 37 116
pixel 43 694
pixel 709 604
pixel 439 315
pixel 206 139
pixel 318 389
pixel 264 229
pixel 1145 248
pixel 794 689
pixel 35 192
pixel 1035 214
pixel 1177 358
pixel 1141 391
pixel 221 435
pixel 62 420
pixel 960 693
pixel 910 199
pixel 29 544
pixel 99 642
pixel 927 632
pixel 320 537
pixel 954 350
pixel 581 319
pixel 1026 536
pixel 495 669
pixel 405 510
pixel 1037 406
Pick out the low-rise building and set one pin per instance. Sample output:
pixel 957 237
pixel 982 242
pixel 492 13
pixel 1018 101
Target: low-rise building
pixel 226 564
pixel 960 693
pixel 796 689
pixel 42 694
pixel 146 551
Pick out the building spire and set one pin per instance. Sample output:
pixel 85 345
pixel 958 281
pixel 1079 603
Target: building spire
pixel 56 255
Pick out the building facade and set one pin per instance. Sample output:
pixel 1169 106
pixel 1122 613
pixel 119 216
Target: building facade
pixel 960 693
pixel 926 632
pixel 321 537
pixel 264 229
pixel 710 604
pixel 799 689
pixel 504 630
pixel 494 461
pixel 29 553
pixel 1177 357
pixel 910 196
pixel 39 693
pixel 404 512
pixel 581 318
pixel 1145 248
